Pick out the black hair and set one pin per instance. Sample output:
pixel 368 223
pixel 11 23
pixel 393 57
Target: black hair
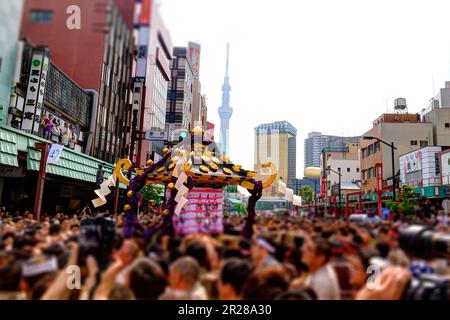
pixel 323 247
pixel 54 229
pixel 235 272
pixel 383 248
pixel 198 252
pixel 305 294
pixel 147 279
pixel 10 275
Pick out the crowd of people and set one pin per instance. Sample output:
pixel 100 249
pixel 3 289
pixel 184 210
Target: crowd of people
pixel 289 258
pixel 63 134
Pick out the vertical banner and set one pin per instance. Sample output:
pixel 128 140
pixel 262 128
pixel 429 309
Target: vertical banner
pixel 202 214
pixel 55 153
pixel 34 99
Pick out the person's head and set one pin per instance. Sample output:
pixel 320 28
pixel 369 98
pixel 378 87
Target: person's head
pixel 265 284
pixel 315 252
pixel 19 224
pixel 260 249
pixel 184 273
pixel 121 292
pixel 65 225
pixel 146 279
pixel 128 251
pixel 10 275
pixel 198 252
pixel 50 116
pixel 74 227
pixel 304 294
pixel 357 271
pixel 55 230
pixel 233 275
pixel 66 125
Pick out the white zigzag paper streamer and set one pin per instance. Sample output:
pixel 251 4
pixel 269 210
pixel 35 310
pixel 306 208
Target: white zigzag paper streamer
pixel 104 191
pixel 179 173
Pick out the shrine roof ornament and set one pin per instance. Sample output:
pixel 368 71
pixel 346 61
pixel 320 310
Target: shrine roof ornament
pixel 201 159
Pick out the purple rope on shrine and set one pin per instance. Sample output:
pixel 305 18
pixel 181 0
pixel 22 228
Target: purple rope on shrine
pixel 256 193
pixel 136 184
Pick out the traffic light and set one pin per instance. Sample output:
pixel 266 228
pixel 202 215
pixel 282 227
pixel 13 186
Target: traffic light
pixel 182 134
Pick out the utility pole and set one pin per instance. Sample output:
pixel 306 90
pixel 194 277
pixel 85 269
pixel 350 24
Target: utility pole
pixel 340 196
pixel 43 147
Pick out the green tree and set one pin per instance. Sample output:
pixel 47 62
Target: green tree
pixel 240 207
pixel 306 192
pixel 406 202
pixel 153 193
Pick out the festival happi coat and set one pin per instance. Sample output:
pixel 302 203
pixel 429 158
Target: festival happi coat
pixel 195 161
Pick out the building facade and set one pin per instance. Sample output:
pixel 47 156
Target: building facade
pixel 70 182
pixel 198 99
pixel 150 80
pixel 179 95
pixel 316 142
pixel 209 132
pixel 345 161
pixel 277 142
pixel 406 131
pixel 98 56
pixel 440 119
pixel 421 168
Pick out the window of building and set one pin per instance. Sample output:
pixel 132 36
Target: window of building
pixel 376 147
pixel 41 16
pixel 370 173
pixel 348 169
pixel 357 170
pixel 370 150
pixel 414 142
pixel 423 143
pixel 447 125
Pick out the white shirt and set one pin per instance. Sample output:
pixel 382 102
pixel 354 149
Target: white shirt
pixel 325 283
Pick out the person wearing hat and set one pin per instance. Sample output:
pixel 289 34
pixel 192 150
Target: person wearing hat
pixel 262 254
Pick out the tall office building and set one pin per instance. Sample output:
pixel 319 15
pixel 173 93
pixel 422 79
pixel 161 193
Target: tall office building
pixel 225 111
pixel 179 95
pixel 198 100
pixel 97 54
pixel 150 80
pixel 313 149
pixel 277 142
pixel 316 142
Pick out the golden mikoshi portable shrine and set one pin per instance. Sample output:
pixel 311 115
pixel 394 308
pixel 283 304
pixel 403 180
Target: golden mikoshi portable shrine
pixel 194 162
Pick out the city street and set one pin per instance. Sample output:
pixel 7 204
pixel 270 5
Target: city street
pixel 224 150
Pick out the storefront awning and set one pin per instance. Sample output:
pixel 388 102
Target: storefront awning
pixel 72 164
pixel 8 148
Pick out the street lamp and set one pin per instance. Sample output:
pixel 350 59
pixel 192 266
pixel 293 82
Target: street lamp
pixel 391 145
pixel 340 175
